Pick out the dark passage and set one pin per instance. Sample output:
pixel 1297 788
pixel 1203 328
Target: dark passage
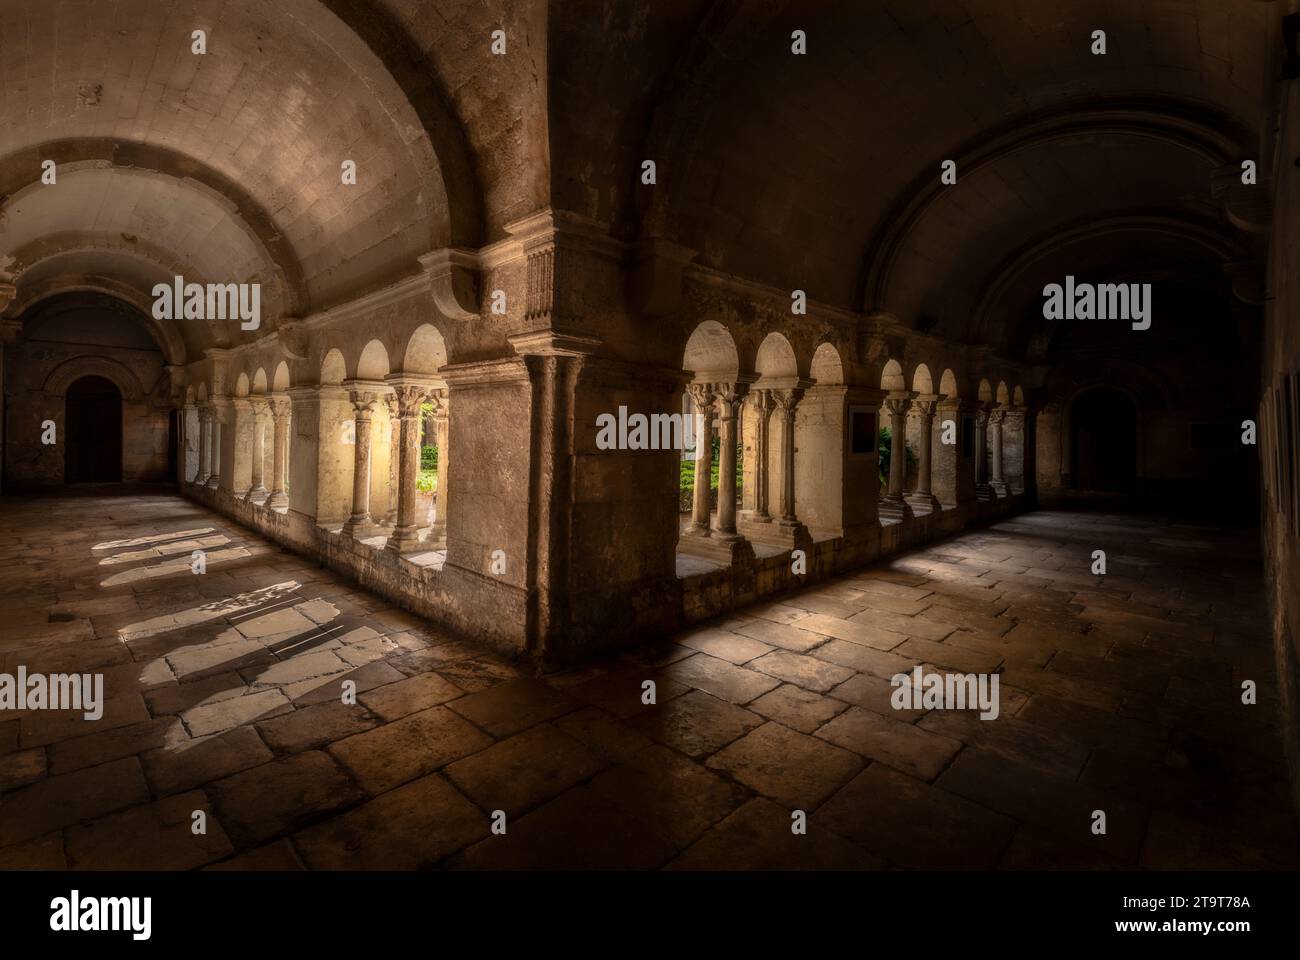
pixel 93 432
pixel 1104 427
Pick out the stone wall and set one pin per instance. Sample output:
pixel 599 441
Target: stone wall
pixel 1281 501
pixel 36 377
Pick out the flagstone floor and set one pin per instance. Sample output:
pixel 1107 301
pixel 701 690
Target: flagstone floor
pixel 223 690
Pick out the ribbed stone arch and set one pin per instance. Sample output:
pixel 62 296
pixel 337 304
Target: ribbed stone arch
pixel 69 371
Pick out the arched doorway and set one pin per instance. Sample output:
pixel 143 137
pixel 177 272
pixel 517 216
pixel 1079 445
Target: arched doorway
pixel 92 432
pixel 1103 438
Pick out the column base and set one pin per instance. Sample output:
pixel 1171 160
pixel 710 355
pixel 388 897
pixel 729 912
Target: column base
pixel 693 529
pixel 278 500
pixel 212 482
pixel 258 494
pixel 358 525
pixel 922 503
pixel 983 492
pixel 403 540
pixel 1000 489
pixel 725 548
pixel 794 534
pixel 897 510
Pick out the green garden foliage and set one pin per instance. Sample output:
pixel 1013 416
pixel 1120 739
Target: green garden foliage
pixel 885 451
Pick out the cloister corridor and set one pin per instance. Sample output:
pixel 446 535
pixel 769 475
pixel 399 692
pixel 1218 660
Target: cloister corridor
pixel 1119 693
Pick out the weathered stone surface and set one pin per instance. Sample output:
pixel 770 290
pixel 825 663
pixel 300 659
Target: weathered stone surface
pixel 903 746
pixel 22 767
pixel 404 749
pixel 791 768
pixel 579 830
pixel 58 801
pixel 796 708
pixel 724 680
pixel 186 765
pixel 513 706
pixel 155 836
pixel 804 671
pixel 697 724
pixel 519 773
pixel 913 824
pixel 697 779
pixel 315 726
pixel 272 799
pixel 404 697
pixel 235 711
pixel 758 837
pixel 412 827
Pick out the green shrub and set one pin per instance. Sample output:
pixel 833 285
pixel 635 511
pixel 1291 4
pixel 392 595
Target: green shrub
pixel 686 475
pixel 428 458
pixel 885 450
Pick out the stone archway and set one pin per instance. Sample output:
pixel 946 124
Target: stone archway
pixel 1103 439
pixel 92 433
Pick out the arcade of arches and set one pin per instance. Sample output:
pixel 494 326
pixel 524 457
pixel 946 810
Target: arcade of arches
pixel 501 274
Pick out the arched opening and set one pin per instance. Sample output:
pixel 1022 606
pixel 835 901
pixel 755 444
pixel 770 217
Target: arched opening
pixel 892 442
pixel 710 356
pixel 92 432
pixel 1103 441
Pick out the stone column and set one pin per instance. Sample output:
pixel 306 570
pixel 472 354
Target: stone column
pixel 441 413
pixel 10 330
pixel 280 413
pixel 982 489
pixel 205 445
pixel 237 447
pixel 897 446
pixel 405 535
pixel 702 396
pixel 996 417
pixel 257 493
pixel 953 468
pixel 763 407
pixel 187 441
pixel 894 505
pixel 923 495
pixel 729 398
pixel 787 402
pixel 363 403
pixel 1015 449
pixel 394 458
pixel 214 460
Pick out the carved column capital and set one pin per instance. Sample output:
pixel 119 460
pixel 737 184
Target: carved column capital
pixel 261 405
pixel 926 407
pixel 364 403
pixel 729 397
pixel 409 398
pixel 701 394
pixel 898 406
pixel 1016 416
pixel 787 399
